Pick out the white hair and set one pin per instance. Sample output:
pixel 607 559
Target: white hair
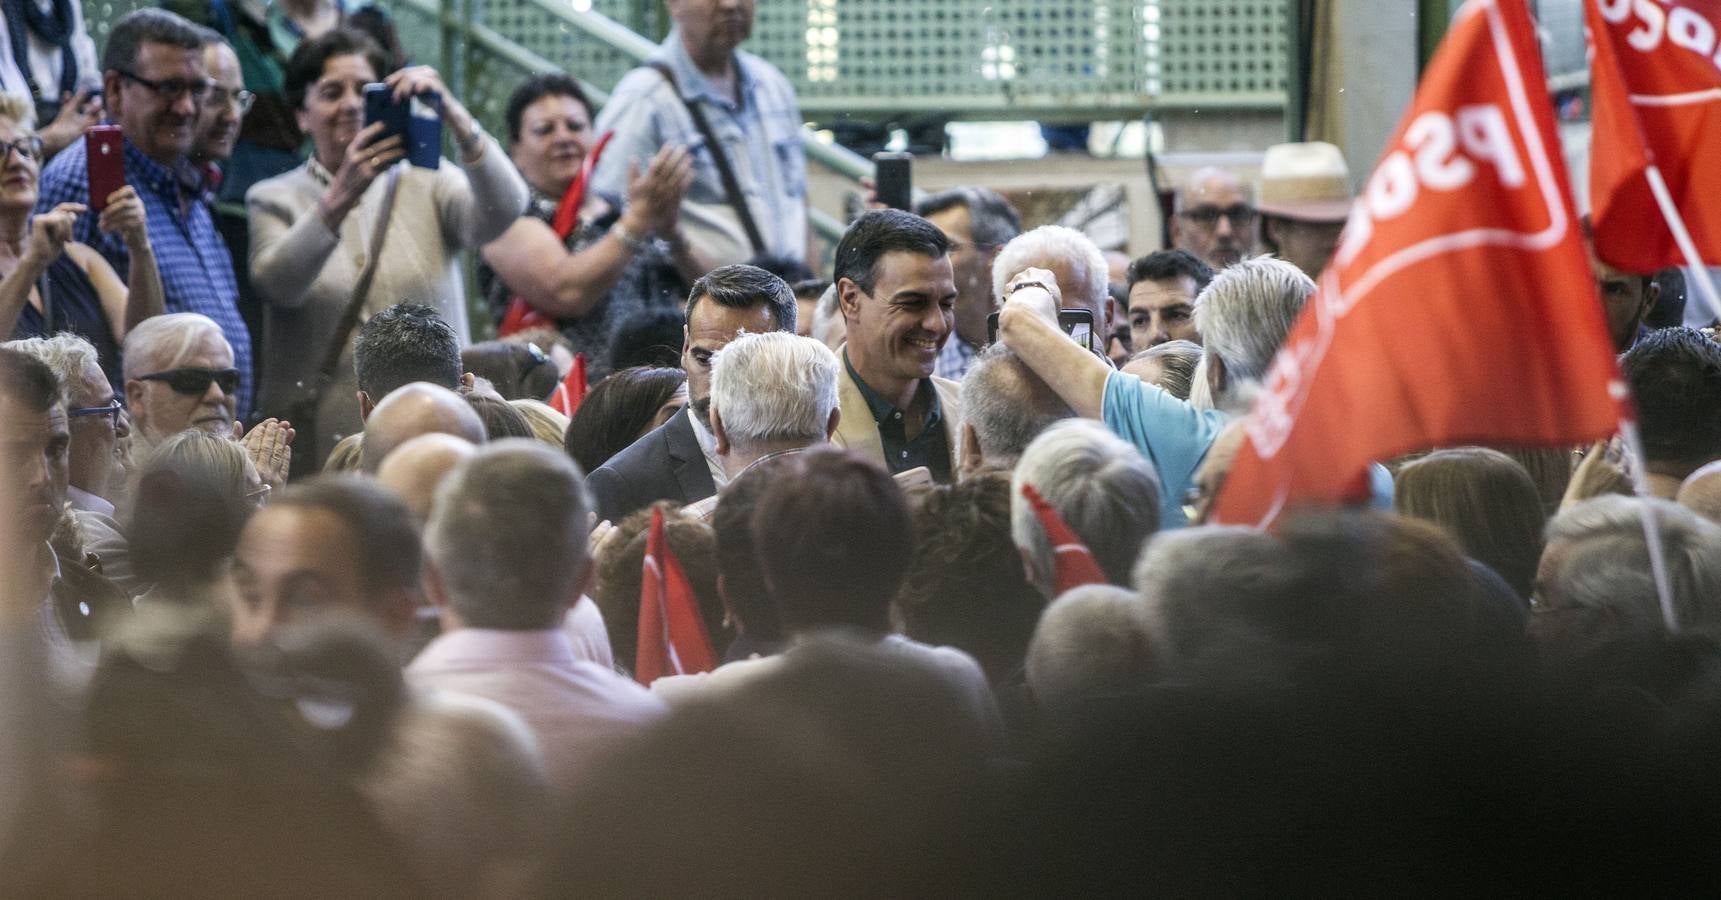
pixel 1604 563
pixel 68 355
pixel 1246 312
pixel 774 387
pixel 1104 489
pixel 163 342
pixel 1067 247
pixel 827 318
pixel 1193 581
pixel 1007 404
pixel 1091 641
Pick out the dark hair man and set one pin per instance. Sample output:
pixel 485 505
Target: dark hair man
pixel 1162 291
pixel 978 222
pixel 897 292
pixel 678 461
pixel 1675 377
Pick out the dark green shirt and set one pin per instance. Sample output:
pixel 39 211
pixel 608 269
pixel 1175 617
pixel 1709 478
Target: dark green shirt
pixel 929 448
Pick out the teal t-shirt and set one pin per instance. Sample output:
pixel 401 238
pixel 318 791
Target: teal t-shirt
pixel 1171 433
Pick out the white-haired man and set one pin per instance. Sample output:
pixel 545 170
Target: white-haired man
pixel 771 394
pixel 1595 585
pixel 1099 485
pixel 1007 407
pixel 507 552
pixel 97 419
pixel 180 375
pixel 1078 269
pixel 1243 317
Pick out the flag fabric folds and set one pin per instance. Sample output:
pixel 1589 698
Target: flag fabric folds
pixel 1074 562
pixel 1459 306
pixel 1656 93
pixel 571 392
pixel 672 639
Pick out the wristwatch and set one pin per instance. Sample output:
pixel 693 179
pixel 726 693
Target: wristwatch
pixel 1008 291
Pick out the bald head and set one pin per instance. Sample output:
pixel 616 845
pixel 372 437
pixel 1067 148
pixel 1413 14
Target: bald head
pixel 418 408
pixel 416 467
pixel 1215 217
pixel 1701 492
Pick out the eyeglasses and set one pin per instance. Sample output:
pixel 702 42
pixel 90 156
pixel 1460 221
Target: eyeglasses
pixel 172 88
pixel 112 409
pixel 195 382
pixel 26 147
pixel 1240 215
pixel 221 96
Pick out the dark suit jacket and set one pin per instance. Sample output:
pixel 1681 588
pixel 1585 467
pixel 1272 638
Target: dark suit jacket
pixel 666 464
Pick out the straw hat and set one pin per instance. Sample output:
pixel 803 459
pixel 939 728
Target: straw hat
pixel 1309 182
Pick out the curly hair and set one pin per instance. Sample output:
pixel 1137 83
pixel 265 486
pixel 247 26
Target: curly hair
pixel 618 577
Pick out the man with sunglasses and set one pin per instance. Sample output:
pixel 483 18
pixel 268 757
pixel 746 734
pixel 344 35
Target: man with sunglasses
pixel 1215 218
pixel 155 85
pixel 179 375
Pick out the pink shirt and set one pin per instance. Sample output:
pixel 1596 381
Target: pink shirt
pixel 575 708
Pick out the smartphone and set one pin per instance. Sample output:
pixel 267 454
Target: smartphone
pixel 893 179
pixel 418 121
pixel 1075 321
pixel 104 149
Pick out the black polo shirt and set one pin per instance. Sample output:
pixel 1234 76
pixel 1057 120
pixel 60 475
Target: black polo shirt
pixel 929 448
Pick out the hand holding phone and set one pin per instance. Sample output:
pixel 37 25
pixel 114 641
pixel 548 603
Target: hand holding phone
pixel 104 149
pixel 416 120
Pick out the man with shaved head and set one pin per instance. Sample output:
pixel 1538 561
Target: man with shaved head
pixel 416 409
pixel 1215 218
pixel 416 467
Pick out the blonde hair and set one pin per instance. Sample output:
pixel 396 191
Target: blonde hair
pixel 19 110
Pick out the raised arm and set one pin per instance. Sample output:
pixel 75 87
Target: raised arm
pixel 1028 325
pixel 50 232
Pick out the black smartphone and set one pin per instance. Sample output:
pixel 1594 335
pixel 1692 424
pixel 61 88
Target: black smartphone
pixel 893 179
pixel 418 121
pixel 1076 322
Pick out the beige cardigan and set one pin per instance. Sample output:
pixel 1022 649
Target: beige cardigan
pixel 857 431
pixel 304 272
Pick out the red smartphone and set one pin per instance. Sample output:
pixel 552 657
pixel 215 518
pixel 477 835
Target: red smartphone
pixel 105 149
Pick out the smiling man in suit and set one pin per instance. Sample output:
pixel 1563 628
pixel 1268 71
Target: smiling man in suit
pixel 898 297
pixel 678 461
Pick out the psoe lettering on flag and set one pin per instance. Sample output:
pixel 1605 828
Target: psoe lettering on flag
pixel 1656 133
pixel 1458 308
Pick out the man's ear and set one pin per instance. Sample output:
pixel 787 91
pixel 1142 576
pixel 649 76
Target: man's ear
pixel 1651 294
pixel 365 406
pixel 720 436
pixel 1215 375
pixel 111 100
pixel 133 397
pixel 836 420
pixel 971 456
pixel 849 297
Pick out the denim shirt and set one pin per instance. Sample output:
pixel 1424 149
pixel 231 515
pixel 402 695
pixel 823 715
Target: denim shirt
pixel 196 269
pixel 761 135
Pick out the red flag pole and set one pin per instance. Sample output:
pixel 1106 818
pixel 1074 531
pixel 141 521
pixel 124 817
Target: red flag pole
pixel 1651 534
pixel 1682 237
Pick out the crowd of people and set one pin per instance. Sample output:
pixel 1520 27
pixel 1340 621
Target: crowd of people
pixel 887 578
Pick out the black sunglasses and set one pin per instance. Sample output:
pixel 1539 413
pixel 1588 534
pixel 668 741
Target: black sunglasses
pixel 113 408
pixel 194 382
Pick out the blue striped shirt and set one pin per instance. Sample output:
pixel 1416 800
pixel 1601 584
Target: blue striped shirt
pixel 196 270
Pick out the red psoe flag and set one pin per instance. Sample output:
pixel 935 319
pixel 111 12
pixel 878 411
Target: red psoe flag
pixel 671 639
pixel 1656 91
pixel 1459 306
pixel 571 392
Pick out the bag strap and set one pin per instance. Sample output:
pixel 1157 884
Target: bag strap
pixel 361 288
pixel 731 187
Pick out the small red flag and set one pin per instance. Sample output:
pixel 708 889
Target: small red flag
pixel 1459 307
pixel 1656 89
pixel 672 639
pixel 1074 561
pixel 521 315
pixel 568 395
